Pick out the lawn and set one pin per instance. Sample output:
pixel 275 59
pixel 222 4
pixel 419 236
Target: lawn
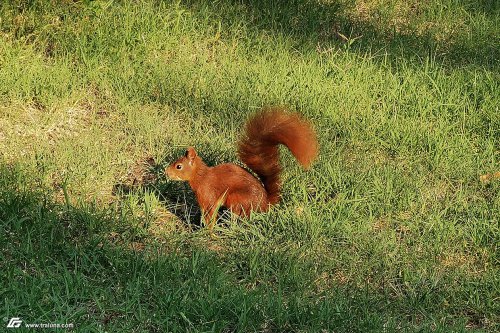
pixel 395 228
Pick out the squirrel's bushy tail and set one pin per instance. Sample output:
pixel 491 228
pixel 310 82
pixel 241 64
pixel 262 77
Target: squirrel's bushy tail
pixel 258 148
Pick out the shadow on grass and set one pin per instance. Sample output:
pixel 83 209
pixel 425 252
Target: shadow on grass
pixel 455 33
pixel 148 176
pixel 327 24
pixel 59 265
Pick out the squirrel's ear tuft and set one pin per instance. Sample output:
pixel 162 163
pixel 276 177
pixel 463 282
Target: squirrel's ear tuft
pixel 190 153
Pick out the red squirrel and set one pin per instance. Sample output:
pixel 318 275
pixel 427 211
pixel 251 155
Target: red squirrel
pixel 235 188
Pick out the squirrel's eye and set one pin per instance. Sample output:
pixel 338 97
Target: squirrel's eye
pixel 178 166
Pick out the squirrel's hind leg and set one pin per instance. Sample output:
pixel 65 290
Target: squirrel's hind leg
pixel 238 210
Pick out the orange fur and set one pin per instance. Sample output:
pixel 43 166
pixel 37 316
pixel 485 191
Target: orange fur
pixel 235 188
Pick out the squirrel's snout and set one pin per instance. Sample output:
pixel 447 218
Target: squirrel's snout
pixel 170 174
pixel 167 172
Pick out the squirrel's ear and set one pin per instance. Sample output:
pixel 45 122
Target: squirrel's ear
pixel 190 153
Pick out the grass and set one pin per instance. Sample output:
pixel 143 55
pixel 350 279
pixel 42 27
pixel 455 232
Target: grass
pixel 391 230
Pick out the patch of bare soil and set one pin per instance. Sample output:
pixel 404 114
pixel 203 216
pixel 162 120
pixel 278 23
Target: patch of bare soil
pixel 140 174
